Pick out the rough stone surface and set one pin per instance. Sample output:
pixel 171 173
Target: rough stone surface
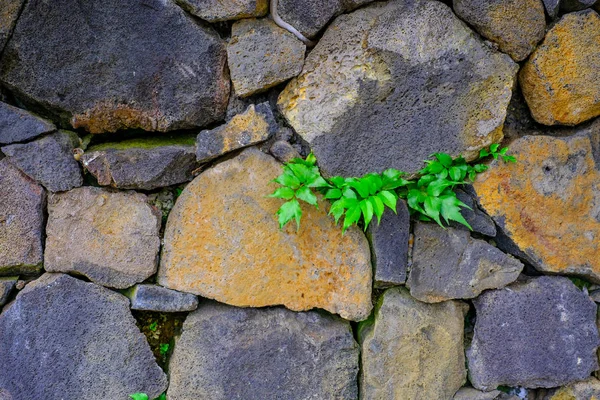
pixel 111 238
pixel 22 203
pixel 7 284
pixel 468 393
pixel 262 55
pixel 548 203
pixel 310 16
pixel 283 151
pixel 225 10
pixel 412 350
pixel 160 299
pixel 552 7
pixel 559 81
pixel 479 221
pixel 147 163
pixel 255 125
pixel 8 17
pixel 576 5
pixel 66 339
pixel 48 160
pixel 233 353
pixel 449 264
pixel 121 64
pixel 222 241
pixel 515 25
pixel 540 333
pixel 389 246
pixel 394 82
pixel 584 390
pixel 17 125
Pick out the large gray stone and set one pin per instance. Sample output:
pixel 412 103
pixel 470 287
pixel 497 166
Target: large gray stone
pixel 389 246
pixel 412 350
pixel 146 163
pixel 228 353
pixel 160 299
pixel 392 83
pixel 8 17
pixel 7 284
pixel 48 160
pixel 63 339
pixel 538 333
pixel 120 64
pixel 225 10
pixel 468 393
pixel 262 55
pixel 22 204
pixel 449 264
pixel 109 237
pixel 17 125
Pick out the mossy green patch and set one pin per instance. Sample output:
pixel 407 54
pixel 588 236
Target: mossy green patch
pixel 147 142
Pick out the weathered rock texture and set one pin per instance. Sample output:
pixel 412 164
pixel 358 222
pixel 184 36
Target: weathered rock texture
pixel 48 160
pixel 412 350
pixel 8 17
pixel 219 10
pixel 109 237
pixel 22 204
pixel 576 5
pixel 17 125
pixel 7 284
pixel 160 299
pixel 479 221
pixel 232 353
pixel 474 394
pixel 255 125
pixel 66 339
pixel 262 55
pixel 552 7
pixel 449 264
pixel 540 333
pixel 548 202
pixel 394 82
pixel 515 25
pixel 222 242
pixel 559 80
pixel 147 163
pixel 584 390
pixel 121 64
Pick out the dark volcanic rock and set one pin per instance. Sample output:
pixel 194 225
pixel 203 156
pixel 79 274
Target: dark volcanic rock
pixel 63 339
pixel 147 163
pixel 228 353
pixel 389 246
pixel 539 333
pixel 576 5
pixel 160 299
pixel 480 222
pixel 18 125
pixel 6 286
pixel 120 64
pixel 22 203
pixel 48 160
pixel 552 7
pixel 8 16
pixel 225 10
pixel 283 151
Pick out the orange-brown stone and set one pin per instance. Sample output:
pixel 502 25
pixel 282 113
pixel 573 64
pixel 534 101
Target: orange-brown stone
pixel 222 241
pixel 548 203
pixel 560 80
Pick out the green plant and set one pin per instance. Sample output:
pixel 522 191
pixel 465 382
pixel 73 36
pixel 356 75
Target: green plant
pixel 164 348
pixel 153 326
pixel 144 396
pixel 430 196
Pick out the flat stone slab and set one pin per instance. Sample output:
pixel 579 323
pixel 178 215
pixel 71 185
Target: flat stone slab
pixel 109 237
pixel 122 64
pixel 228 353
pixel 539 333
pixel 394 82
pixel 63 339
pixel 225 10
pixel 17 125
pixel 22 203
pixel 222 241
pixel 160 299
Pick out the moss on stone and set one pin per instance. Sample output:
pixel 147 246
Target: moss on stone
pixel 147 142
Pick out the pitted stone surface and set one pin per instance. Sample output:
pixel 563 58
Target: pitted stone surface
pixel 157 298
pixel 17 125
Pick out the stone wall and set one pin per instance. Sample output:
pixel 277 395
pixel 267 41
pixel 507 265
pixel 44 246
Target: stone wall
pixel 139 252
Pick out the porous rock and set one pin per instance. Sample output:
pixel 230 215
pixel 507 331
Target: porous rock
pixel 48 160
pixel 283 151
pixel 157 298
pixel 588 389
pixel 552 7
pixel 479 221
pixel 222 241
pixel 17 125
pixel 63 339
pixel 219 10
pixel 449 264
pixel 173 76
pixel 227 353
pixel 412 350
pixel 109 237
pixel 262 55
pixel 145 163
pixel 255 125
pixel 559 80
pixel 547 204
pixel 7 284
pixel 392 83
pixel 537 333
pixel 468 393
pixel 22 203
pixel 8 17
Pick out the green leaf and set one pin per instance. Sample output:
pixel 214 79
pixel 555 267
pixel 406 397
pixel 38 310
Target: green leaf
pixel 435 167
pixel 283 193
pixel 436 188
pixel 374 182
pixel 319 182
pixel 483 153
pixel 338 181
pixel 391 174
pixel 337 210
pixel 503 151
pixel 164 348
pixel 288 211
pixel 304 173
pixel 288 179
pixel 361 186
pixel 425 180
pixel 333 194
pixel 378 207
pixel 480 167
pixel 153 326
pixel 457 173
pixel 414 200
pixel 367 211
pixel 389 199
pixel 511 159
pixel 494 147
pixel 445 159
pixel 139 396
pixel 433 205
pixel 162 397
pixel 450 209
pixel 352 216
pixel 349 193
pixel 305 194
pixel 311 159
